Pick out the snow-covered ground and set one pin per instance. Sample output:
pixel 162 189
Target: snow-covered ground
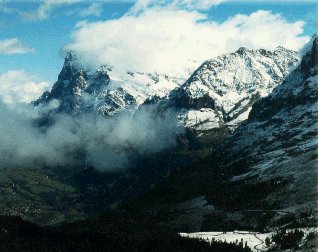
pixel 255 240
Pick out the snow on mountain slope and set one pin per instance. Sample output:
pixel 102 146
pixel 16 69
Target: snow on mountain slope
pixel 105 91
pixel 218 96
pixel 222 90
pixel 278 144
pixel 265 173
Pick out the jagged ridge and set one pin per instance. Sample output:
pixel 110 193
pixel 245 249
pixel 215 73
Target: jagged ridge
pixel 218 94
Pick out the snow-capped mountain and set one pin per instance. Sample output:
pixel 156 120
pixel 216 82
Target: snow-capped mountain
pixel 211 103
pixel 105 91
pixel 264 174
pixel 218 95
pixel 267 164
pixel 222 91
pixel 281 133
pixel 270 161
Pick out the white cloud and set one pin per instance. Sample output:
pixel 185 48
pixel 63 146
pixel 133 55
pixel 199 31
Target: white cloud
pixel 13 46
pixel 45 8
pixel 141 5
pixel 20 87
pixel 198 4
pixel 164 39
pixel 94 9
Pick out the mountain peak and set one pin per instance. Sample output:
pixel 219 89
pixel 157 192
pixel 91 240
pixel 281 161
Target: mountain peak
pixel 221 92
pixel 242 50
pixel 280 48
pixel 70 56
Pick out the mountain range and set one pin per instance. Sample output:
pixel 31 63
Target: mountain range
pixel 210 104
pixel 246 160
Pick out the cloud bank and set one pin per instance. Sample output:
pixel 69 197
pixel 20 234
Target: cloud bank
pixel 20 87
pixel 14 46
pixel 105 143
pixel 163 37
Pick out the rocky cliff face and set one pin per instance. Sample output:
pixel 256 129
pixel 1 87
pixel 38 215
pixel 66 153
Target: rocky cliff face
pixel 105 91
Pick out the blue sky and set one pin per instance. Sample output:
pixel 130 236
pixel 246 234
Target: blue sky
pixel 42 29
pixel 46 36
